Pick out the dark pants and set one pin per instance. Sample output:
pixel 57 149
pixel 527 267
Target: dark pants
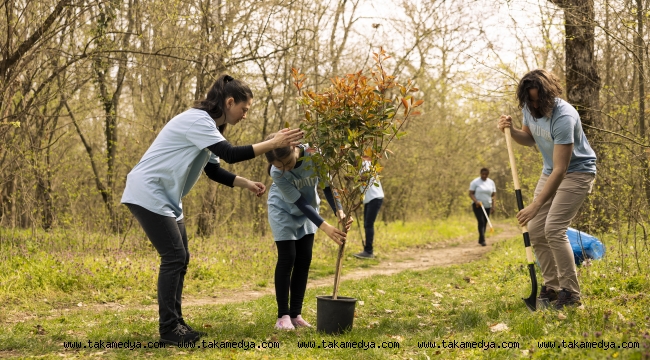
pixel 169 238
pixel 291 272
pixel 370 211
pixel 482 221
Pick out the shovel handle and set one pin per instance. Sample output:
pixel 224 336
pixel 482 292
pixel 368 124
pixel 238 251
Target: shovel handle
pixel 513 165
pixel 520 201
pixel 487 217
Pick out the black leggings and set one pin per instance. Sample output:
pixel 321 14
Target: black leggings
pixel 291 272
pixel 370 211
pixel 482 221
pixel 169 238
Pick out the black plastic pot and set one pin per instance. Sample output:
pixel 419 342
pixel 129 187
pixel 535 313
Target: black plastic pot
pixel 334 316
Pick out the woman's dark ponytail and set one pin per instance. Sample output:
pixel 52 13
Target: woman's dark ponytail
pixel 225 86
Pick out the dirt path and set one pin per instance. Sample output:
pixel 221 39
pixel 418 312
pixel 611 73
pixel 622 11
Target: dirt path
pixel 456 251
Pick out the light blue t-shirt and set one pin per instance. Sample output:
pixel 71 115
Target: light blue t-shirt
pixel 286 220
pixel 566 129
pixel 173 164
pixel 483 190
pixel 375 191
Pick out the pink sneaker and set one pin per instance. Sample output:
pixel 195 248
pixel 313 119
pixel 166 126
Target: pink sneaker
pixel 284 323
pixel 298 321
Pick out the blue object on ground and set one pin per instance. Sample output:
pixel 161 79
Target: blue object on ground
pixel 593 248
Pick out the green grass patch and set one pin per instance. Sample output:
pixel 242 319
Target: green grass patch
pixel 67 267
pixel 399 314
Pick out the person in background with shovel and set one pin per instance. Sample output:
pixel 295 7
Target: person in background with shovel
pixel 482 191
pixel 569 170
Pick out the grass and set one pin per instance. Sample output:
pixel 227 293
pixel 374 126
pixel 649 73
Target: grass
pixel 64 267
pixel 453 304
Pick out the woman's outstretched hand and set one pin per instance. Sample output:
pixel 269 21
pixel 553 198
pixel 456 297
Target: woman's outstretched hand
pixel 288 137
pixel 255 187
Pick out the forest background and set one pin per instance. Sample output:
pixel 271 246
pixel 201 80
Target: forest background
pixel 85 87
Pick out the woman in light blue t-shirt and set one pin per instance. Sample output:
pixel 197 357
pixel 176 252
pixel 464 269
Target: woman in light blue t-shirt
pixel 190 143
pixel 568 173
pixel 293 215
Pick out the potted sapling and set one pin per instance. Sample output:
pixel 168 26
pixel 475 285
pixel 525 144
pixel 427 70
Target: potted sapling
pixel 356 117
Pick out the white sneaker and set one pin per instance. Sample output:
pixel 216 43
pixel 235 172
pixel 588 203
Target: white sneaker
pixel 298 321
pixel 284 323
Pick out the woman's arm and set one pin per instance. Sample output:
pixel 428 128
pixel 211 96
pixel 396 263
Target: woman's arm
pixel 284 137
pixel 335 234
pixel 522 137
pixel 218 174
pixel 471 195
pixel 561 158
pixel 333 201
pixel 233 154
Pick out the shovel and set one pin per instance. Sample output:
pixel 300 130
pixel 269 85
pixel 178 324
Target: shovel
pixel 531 301
pixel 488 218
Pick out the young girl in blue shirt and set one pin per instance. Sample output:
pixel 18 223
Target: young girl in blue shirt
pixel 293 205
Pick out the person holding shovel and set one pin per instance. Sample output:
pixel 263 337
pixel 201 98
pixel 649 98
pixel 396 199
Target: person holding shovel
pixel 482 191
pixel 189 143
pixel 569 170
pixel 293 205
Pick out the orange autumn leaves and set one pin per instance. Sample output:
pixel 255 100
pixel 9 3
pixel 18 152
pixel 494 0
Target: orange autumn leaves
pixel 357 116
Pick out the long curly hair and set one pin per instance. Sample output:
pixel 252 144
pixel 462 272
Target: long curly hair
pixel 548 88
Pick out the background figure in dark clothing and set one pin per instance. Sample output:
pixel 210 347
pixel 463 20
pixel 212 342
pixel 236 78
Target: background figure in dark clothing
pixel 482 191
pixel 372 200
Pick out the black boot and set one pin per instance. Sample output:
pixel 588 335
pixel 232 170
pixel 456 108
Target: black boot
pixel 179 335
pixel 200 333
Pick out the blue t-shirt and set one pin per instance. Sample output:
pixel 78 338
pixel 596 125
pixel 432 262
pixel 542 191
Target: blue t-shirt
pixel 173 164
pixel 564 127
pixel 286 220
pixel 483 190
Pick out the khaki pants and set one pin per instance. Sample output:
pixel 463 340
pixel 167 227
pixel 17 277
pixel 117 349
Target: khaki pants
pixel 548 228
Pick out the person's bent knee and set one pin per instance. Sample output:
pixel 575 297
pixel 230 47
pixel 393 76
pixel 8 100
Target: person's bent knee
pixel 536 229
pixel 555 233
pixel 177 259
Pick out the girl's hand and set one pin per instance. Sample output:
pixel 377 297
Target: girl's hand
pixel 504 122
pixel 256 188
pixel 341 216
pixel 349 223
pixel 335 234
pixel 287 137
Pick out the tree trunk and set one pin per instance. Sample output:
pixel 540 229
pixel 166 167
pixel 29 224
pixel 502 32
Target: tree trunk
pixel 640 47
pixel 582 80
